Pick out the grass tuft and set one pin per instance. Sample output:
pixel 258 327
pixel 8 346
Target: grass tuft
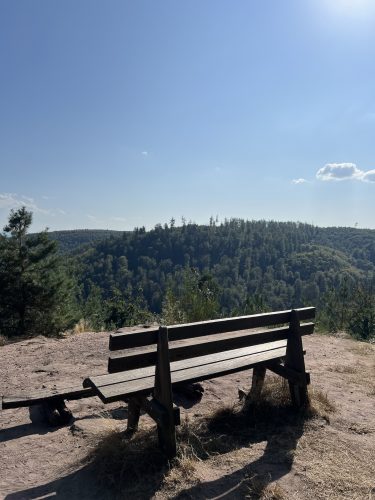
pixel 261 489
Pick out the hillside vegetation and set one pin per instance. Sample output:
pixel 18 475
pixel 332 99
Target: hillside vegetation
pixel 69 240
pixel 244 266
pixel 189 273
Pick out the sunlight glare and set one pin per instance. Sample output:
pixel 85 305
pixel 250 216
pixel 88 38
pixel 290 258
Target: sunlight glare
pixel 350 8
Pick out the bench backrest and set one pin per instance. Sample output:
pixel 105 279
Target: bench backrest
pixel 139 349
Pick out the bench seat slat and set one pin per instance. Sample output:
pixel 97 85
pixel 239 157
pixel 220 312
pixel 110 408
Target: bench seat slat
pixel 192 330
pixel 214 365
pixel 140 357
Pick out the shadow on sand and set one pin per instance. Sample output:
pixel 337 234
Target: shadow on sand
pixel 134 468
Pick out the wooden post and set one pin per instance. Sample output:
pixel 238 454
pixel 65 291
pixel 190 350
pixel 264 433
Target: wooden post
pixel 259 373
pixel 134 412
pixel 163 394
pixel 295 361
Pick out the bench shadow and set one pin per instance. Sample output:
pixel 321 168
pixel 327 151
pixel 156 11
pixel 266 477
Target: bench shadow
pixel 133 466
pixel 38 425
pixel 281 437
pixel 142 473
pixel 75 486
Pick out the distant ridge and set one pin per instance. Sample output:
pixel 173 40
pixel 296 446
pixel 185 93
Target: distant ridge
pixel 70 239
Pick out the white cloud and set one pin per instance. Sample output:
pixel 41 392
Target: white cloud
pixel 144 153
pixel 13 200
pixel 344 171
pixel 299 181
pixel 369 176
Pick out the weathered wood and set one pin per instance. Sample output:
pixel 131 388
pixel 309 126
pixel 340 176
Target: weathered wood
pixel 112 378
pixel 189 348
pixel 157 412
pixel 39 397
pixel 289 374
pixel 134 412
pixel 113 392
pixel 193 330
pixel 295 361
pixel 259 373
pixel 163 394
pixel 139 338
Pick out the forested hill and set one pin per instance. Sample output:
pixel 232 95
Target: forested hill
pixel 279 264
pixel 72 239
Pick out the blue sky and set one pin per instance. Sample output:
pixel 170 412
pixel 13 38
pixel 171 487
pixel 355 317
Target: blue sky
pixel 116 114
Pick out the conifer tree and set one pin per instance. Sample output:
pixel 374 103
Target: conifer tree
pixel 36 295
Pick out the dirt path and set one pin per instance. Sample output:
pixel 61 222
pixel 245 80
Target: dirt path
pixel 40 462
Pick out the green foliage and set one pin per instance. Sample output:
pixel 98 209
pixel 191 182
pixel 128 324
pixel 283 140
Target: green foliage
pixel 287 264
pixel 186 273
pixel 125 310
pixel 72 240
pixel 195 300
pixel 36 292
pixel 361 323
pixel 350 307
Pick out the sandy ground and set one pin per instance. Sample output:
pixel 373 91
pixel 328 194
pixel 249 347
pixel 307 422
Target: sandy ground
pixel 37 461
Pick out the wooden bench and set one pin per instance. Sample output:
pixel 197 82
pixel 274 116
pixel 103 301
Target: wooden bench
pixel 144 365
pixel 52 402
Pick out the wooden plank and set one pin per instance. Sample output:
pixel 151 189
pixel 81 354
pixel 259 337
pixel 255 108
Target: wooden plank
pixel 126 340
pixel 190 330
pixel 114 378
pixel 289 374
pixel 110 393
pixel 163 395
pixel 189 348
pixel 39 397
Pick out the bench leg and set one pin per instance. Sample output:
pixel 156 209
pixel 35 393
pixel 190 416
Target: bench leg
pixel 134 412
pixel 259 373
pixel 295 361
pixel 299 395
pixel 163 394
pixel 56 413
pixel 167 438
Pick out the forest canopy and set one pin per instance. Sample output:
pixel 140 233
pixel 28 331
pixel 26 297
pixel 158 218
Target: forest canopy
pixel 192 272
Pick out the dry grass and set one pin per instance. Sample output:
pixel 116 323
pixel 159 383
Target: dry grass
pixel 261 489
pixel 82 326
pixel 343 369
pixel 363 348
pixel 332 470
pixel 133 465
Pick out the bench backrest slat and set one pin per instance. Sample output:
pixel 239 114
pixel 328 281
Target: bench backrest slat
pixel 185 349
pixel 193 330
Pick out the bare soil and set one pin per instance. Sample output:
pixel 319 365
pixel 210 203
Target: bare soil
pixel 330 458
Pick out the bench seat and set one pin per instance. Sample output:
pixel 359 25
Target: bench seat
pixel 114 387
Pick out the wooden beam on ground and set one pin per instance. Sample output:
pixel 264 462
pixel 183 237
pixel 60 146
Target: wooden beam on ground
pixel 36 398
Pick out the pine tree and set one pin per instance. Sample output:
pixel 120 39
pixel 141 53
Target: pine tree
pixel 36 294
